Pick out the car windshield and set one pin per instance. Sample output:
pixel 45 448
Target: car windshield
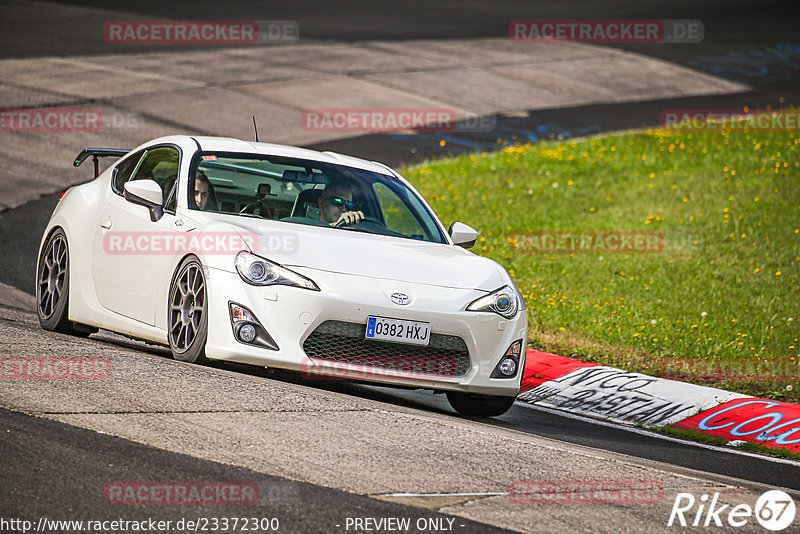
pixel 300 191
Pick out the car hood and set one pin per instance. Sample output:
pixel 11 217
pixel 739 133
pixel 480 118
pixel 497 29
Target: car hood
pixel 375 256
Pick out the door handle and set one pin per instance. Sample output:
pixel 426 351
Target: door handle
pixel 106 225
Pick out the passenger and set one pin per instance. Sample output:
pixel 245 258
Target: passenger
pixel 336 205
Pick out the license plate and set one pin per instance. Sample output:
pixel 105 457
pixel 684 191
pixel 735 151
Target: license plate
pixel 385 329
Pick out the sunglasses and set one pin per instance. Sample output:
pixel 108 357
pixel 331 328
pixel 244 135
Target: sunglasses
pixel 339 202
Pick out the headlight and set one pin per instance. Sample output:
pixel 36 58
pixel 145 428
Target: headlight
pixel 258 271
pixel 504 302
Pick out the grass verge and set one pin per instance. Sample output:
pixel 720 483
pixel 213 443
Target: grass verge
pixel 694 435
pixel 708 294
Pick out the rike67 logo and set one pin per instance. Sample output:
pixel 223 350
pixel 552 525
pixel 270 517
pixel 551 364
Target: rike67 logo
pixel 774 510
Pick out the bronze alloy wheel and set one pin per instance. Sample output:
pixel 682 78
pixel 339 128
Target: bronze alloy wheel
pixel 51 289
pixel 188 321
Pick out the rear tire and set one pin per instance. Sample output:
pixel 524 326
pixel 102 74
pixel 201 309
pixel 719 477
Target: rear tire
pixel 187 313
pixel 52 288
pixel 479 405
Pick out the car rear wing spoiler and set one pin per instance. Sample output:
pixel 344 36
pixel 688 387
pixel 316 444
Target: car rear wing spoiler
pixel 98 153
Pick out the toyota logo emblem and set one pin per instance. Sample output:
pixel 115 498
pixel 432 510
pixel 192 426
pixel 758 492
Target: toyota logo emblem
pixel 400 298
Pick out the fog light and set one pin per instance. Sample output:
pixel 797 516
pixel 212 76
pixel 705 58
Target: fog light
pixel 247 333
pixel 509 364
pixel 247 329
pixel 508 367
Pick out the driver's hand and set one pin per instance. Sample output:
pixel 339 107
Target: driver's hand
pixel 349 217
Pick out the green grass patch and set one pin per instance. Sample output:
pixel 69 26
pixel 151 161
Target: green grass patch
pixel 717 304
pixel 772 451
pixel 694 435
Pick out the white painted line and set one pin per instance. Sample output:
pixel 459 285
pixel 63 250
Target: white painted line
pixel 657 435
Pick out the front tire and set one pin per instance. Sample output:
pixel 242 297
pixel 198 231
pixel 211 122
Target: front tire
pixel 479 405
pixel 188 313
pixel 52 288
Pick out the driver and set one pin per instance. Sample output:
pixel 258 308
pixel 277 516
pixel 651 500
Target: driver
pixel 336 205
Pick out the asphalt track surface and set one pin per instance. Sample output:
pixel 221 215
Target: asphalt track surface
pixel 520 418
pixel 582 432
pixel 43 448
pixel 729 24
pixel 54 463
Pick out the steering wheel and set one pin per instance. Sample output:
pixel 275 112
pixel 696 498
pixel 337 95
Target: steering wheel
pixel 257 203
pixel 365 219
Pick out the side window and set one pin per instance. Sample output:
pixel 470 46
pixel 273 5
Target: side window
pixel 124 171
pixel 396 214
pixel 160 164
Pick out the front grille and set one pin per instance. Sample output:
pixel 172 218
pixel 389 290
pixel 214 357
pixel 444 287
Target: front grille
pixel 339 341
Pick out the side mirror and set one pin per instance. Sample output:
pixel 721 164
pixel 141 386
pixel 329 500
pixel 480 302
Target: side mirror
pixel 146 193
pixel 462 235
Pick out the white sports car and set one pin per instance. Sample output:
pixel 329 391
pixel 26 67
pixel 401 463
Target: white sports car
pixel 282 257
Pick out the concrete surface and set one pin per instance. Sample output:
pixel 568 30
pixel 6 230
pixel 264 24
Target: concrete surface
pixel 146 95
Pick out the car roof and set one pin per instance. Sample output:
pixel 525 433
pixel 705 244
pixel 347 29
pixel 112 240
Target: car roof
pixel 230 144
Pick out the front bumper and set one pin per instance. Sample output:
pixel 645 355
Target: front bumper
pixel 294 319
